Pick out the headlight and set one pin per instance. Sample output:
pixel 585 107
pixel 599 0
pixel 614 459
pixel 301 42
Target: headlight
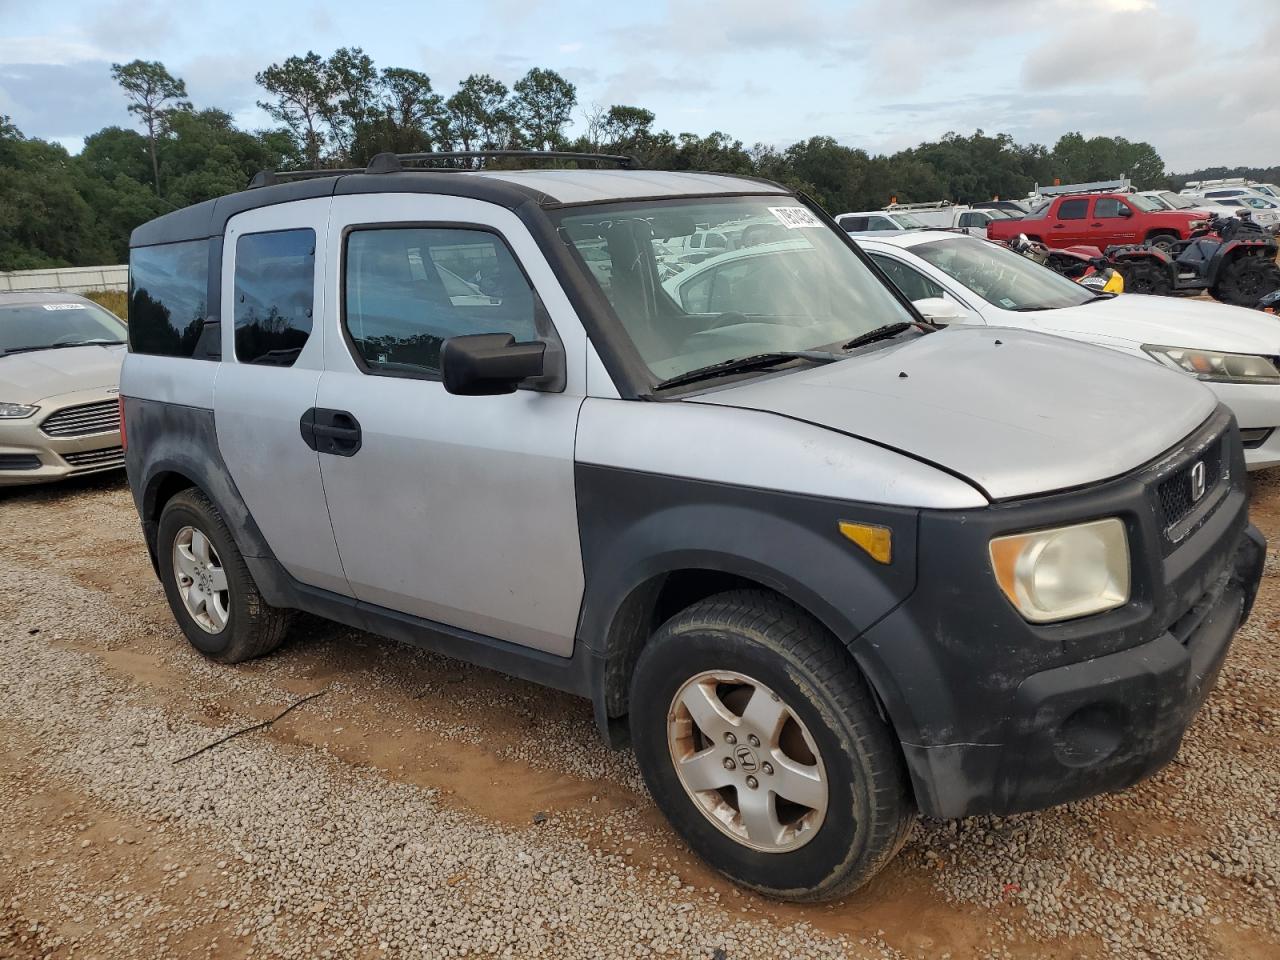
pixel 1216 367
pixel 1066 572
pixel 15 411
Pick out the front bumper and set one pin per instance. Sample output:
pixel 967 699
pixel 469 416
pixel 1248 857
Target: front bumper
pixel 1100 724
pixel 998 715
pixel 29 454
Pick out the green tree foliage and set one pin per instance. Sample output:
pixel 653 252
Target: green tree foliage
pixel 304 93
pixel 154 96
pixel 479 116
pixel 341 109
pixel 542 103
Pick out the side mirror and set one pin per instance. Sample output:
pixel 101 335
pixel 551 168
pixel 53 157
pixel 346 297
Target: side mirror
pixel 486 364
pixel 941 310
pixel 1125 211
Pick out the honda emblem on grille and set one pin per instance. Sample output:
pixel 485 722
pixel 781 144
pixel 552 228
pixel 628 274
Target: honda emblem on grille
pixel 1197 481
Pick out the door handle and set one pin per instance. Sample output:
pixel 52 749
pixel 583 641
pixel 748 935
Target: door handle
pixel 1095 224
pixel 335 432
pixel 1059 226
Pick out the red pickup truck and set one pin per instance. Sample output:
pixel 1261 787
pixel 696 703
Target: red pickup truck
pixel 1098 220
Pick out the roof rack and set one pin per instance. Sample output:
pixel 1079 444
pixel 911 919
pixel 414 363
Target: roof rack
pixel 398 162
pixel 1123 185
pixel 931 205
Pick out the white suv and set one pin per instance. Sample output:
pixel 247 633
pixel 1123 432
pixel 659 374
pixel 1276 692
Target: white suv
pixel 823 564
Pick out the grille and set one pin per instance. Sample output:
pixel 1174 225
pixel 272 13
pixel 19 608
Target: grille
pixel 106 457
pixel 100 417
pixel 1175 492
pixel 19 461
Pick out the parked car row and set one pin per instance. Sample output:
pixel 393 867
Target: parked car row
pixel 833 532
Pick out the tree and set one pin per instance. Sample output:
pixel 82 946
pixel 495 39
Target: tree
pixel 153 94
pixel 479 115
pixel 304 92
pixel 352 82
pixel 625 126
pixel 542 103
pixel 411 113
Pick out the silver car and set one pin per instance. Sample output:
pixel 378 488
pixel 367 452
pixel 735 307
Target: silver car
pixel 822 563
pixel 60 359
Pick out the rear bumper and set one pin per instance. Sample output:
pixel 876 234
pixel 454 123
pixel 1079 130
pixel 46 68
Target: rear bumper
pixel 1097 725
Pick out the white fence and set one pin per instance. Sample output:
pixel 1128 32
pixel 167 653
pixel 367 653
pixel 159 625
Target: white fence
pixel 66 279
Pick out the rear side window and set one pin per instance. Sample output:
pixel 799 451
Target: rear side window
pixel 1073 210
pixel 274 286
pixel 168 298
pixel 408 289
pixel 1107 207
pixel 913 284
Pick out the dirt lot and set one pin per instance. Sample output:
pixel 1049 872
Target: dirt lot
pixel 420 807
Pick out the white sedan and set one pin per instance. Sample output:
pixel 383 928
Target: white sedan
pixel 1236 352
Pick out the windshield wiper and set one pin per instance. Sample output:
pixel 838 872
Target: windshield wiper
pixel 1101 296
pixel 756 361
pixel 879 333
pixel 62 346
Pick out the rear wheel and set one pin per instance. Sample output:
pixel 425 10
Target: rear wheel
pixel 760 741
pixel 1246 280
pixel 208 585
pixel 1146 276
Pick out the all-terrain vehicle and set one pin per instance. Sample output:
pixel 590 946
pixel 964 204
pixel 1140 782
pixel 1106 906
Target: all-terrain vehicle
pixel 734 513
pixel 1087 266
pixel 1233 258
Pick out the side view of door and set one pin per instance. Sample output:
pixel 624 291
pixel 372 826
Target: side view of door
pixel 456 509
pixel 272 356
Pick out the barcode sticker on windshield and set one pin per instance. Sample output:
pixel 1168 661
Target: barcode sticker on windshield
pixel 63 306
pixel 794 218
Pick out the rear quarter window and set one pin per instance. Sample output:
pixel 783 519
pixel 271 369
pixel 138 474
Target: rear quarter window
pixel 168 298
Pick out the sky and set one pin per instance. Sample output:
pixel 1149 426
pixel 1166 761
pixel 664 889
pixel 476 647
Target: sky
pixel 1196 80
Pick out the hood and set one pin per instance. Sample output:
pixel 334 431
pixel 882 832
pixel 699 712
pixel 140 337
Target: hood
pixel 1167 321
pixel 28 377
pixel 1015 413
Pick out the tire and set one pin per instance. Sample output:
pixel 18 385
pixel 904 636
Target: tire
pixel 1246 280
pixel 828 715
pixel 1162 241
pixel 1146 277
pixel 229 625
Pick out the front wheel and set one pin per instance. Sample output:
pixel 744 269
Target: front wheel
pixel 1146 276
pixel 1163 241
pixel 761 743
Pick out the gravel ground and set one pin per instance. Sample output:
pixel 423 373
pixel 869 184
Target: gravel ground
pixel 422 808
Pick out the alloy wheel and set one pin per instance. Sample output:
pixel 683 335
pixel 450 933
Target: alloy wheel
pixel 747 761
pixel 201 579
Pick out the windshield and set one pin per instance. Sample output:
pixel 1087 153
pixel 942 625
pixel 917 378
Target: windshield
pixel 28 326
pixel 907 221
pixel 1001 277
pixel 1177 201
pixel 995 213
pixel 1037 209
pixel 787 281
pixel 1145 204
